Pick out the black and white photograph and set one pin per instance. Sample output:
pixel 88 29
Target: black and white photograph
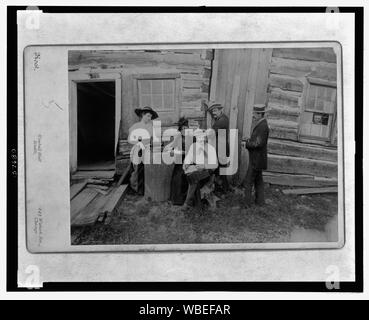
pixel 214 149
pixel 205 145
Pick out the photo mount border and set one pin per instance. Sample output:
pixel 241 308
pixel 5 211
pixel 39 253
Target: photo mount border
pixel 12 184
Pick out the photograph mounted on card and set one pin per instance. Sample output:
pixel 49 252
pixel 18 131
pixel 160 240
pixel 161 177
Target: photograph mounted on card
pixel 184 147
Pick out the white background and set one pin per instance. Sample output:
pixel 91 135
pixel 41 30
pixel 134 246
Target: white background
pixel 71 262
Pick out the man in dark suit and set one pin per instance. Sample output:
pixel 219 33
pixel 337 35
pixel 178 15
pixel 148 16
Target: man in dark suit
pixel 220 121
pixel 257 146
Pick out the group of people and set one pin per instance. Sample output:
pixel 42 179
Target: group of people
pixel 200 163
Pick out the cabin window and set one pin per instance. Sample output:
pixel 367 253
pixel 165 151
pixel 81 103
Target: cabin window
pixel 317 120
pixel 157 93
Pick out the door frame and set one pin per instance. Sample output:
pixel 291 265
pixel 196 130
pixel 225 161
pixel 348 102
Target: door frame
pixel 77 77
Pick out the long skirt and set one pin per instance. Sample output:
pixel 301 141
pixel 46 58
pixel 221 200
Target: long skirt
pixel 179 186
pixel 137 178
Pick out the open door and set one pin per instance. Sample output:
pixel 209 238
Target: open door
pixel 95 112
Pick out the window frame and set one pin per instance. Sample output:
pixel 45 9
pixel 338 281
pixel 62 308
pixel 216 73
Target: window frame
pixel 172 94
pixel 160 76
pixel 333 115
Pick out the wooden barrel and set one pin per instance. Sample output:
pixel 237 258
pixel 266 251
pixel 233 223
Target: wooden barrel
pixel 158 179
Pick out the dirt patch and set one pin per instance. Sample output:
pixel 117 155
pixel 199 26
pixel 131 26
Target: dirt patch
pixel 138 221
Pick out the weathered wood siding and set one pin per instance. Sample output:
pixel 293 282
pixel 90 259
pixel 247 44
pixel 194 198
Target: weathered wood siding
pixel 289 69
pixel 192 68
pixel 240 80
pixel 251 66
pixel 288 72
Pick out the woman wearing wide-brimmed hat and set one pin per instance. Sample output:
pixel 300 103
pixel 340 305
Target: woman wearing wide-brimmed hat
pixel 140 135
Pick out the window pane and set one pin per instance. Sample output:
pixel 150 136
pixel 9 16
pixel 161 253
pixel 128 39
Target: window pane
pixel 145 86
pixel 329 107
pixel 321 92
pixel 157 86
pixel 145 100
pixel 315 130
pixel 310 103
pixel 157 101
pixel 312 91
pixel 157 93
pixel 333 94
pixel 168 101
pixel 319 104
pixel 321 118
pixel 328 93
pixel 168 86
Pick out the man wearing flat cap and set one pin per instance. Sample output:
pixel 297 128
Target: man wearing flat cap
pixel 220 121
pixel 257 147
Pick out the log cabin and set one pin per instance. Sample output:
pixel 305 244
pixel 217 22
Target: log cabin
pixel 107 86
pixel 298 86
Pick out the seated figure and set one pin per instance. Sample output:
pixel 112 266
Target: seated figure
pixel 199 164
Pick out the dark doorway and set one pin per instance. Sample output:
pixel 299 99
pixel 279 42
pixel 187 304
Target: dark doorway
pixel 96 125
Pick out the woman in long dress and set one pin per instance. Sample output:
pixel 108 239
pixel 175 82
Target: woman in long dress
pixel 179 184
pixel 140 135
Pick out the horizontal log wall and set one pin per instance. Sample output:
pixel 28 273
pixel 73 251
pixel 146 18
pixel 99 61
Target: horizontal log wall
pixel 302 150
pixel 297 165
pixel 289 157
pixel 289 69
pixel 290 161
pixel 193 68
pixel 306 54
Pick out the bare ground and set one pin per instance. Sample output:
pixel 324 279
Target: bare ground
pixel 284 218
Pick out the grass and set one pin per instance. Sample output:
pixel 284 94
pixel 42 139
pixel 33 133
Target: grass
pixel 138 221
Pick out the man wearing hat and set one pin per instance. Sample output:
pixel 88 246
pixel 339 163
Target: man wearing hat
pixel 140 135
pixel 257 146
pixel 220 121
